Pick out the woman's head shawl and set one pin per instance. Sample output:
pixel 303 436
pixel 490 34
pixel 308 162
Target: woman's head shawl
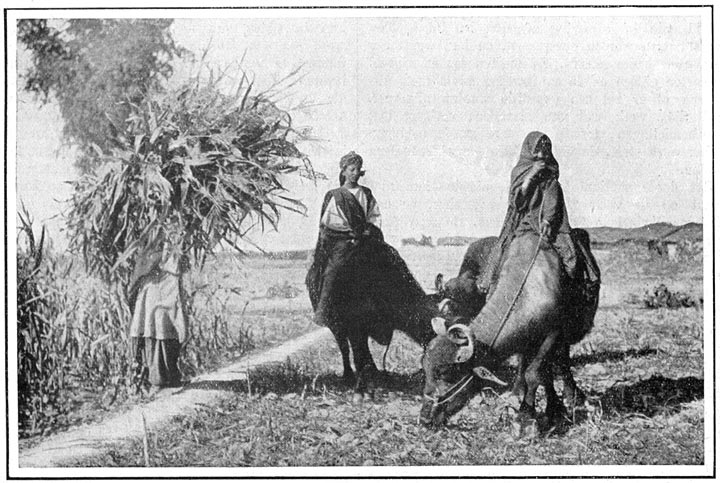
pixel 534 142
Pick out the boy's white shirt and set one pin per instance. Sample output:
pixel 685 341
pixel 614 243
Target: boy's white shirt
pixel 335 219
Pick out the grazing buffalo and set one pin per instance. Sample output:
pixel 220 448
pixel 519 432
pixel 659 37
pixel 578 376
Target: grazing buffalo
pixel 532 313
pixel 374 294
pixel 462 298
pixel 462 290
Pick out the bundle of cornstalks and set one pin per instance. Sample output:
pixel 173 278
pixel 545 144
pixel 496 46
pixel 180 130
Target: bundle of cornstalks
pixel 195 161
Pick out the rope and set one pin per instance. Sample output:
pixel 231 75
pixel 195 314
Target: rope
pixel 458 387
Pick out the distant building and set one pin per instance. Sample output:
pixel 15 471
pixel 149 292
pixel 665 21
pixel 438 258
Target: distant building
pixel 424 241
pixel 455 241
pixel 684 241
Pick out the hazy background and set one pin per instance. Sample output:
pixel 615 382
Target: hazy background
pixel 438 107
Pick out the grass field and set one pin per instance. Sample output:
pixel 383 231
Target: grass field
pixel 642 370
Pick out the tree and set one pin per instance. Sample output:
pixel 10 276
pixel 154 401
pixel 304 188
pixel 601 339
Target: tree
pixel 95 69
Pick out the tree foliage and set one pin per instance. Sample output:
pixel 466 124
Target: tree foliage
pixel 92 68
pixel 194 160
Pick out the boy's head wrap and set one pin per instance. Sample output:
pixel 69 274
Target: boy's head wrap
pixel 350 158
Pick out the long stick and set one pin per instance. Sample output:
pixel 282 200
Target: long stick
pixel 146 445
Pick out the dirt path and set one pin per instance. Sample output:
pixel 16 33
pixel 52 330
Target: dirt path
pixel 91 440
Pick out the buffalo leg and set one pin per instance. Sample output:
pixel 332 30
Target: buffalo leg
pixel 554 410
pixel 364 364
pixel 519 385
pixel 534 375
pixel 342 342
pixel 572 394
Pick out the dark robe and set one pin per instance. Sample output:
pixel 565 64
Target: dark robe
pixel 541 200
pixel 359 256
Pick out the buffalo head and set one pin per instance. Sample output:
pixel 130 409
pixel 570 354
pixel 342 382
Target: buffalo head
pixel 463 292
pixel 454 367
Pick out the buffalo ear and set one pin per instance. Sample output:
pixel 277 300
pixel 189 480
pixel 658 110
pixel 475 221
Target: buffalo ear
pixel 439 280
pixel 445 306
pixel 486 374
pixel 438 325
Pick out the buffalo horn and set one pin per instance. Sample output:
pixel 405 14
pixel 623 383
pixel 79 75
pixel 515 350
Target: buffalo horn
pixel 438 325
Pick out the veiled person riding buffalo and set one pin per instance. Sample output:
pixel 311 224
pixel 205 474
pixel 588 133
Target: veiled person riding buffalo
pixel 531 292
pixel 359 286
pixel 540 291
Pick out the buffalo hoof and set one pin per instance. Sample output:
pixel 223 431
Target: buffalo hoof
pixel 559 424
pixel 360 397
pixel 556 413
pixel 348 378
pixel 524 428
pixel 524 422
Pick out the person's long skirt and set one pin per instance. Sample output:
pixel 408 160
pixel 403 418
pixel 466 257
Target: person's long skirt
pixel 158 330
pixel 157 360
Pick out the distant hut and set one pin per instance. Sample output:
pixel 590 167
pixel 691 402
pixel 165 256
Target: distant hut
pixel 455 241
pixel 680 242
pixel 424 241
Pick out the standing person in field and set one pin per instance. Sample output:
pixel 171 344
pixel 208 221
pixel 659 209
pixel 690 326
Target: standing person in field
pixel 350 217
pixel 159 320
pixel 535 204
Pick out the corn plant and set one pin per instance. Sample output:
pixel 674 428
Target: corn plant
pixel 71 336
pixel 90 334
pixel 36 307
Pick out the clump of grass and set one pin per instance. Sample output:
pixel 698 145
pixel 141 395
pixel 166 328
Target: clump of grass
pixel 661 296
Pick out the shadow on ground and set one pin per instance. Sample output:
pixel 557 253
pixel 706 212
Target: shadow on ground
pixel 282 379
pixel 648 397
pixel 651 397
pixel 611 356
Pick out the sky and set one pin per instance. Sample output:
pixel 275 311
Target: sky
pixel 438 103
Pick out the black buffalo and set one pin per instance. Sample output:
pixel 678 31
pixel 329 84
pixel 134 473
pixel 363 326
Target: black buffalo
pixel 373 295
pixel 531 313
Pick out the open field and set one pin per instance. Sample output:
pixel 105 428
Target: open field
pixel 642 370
